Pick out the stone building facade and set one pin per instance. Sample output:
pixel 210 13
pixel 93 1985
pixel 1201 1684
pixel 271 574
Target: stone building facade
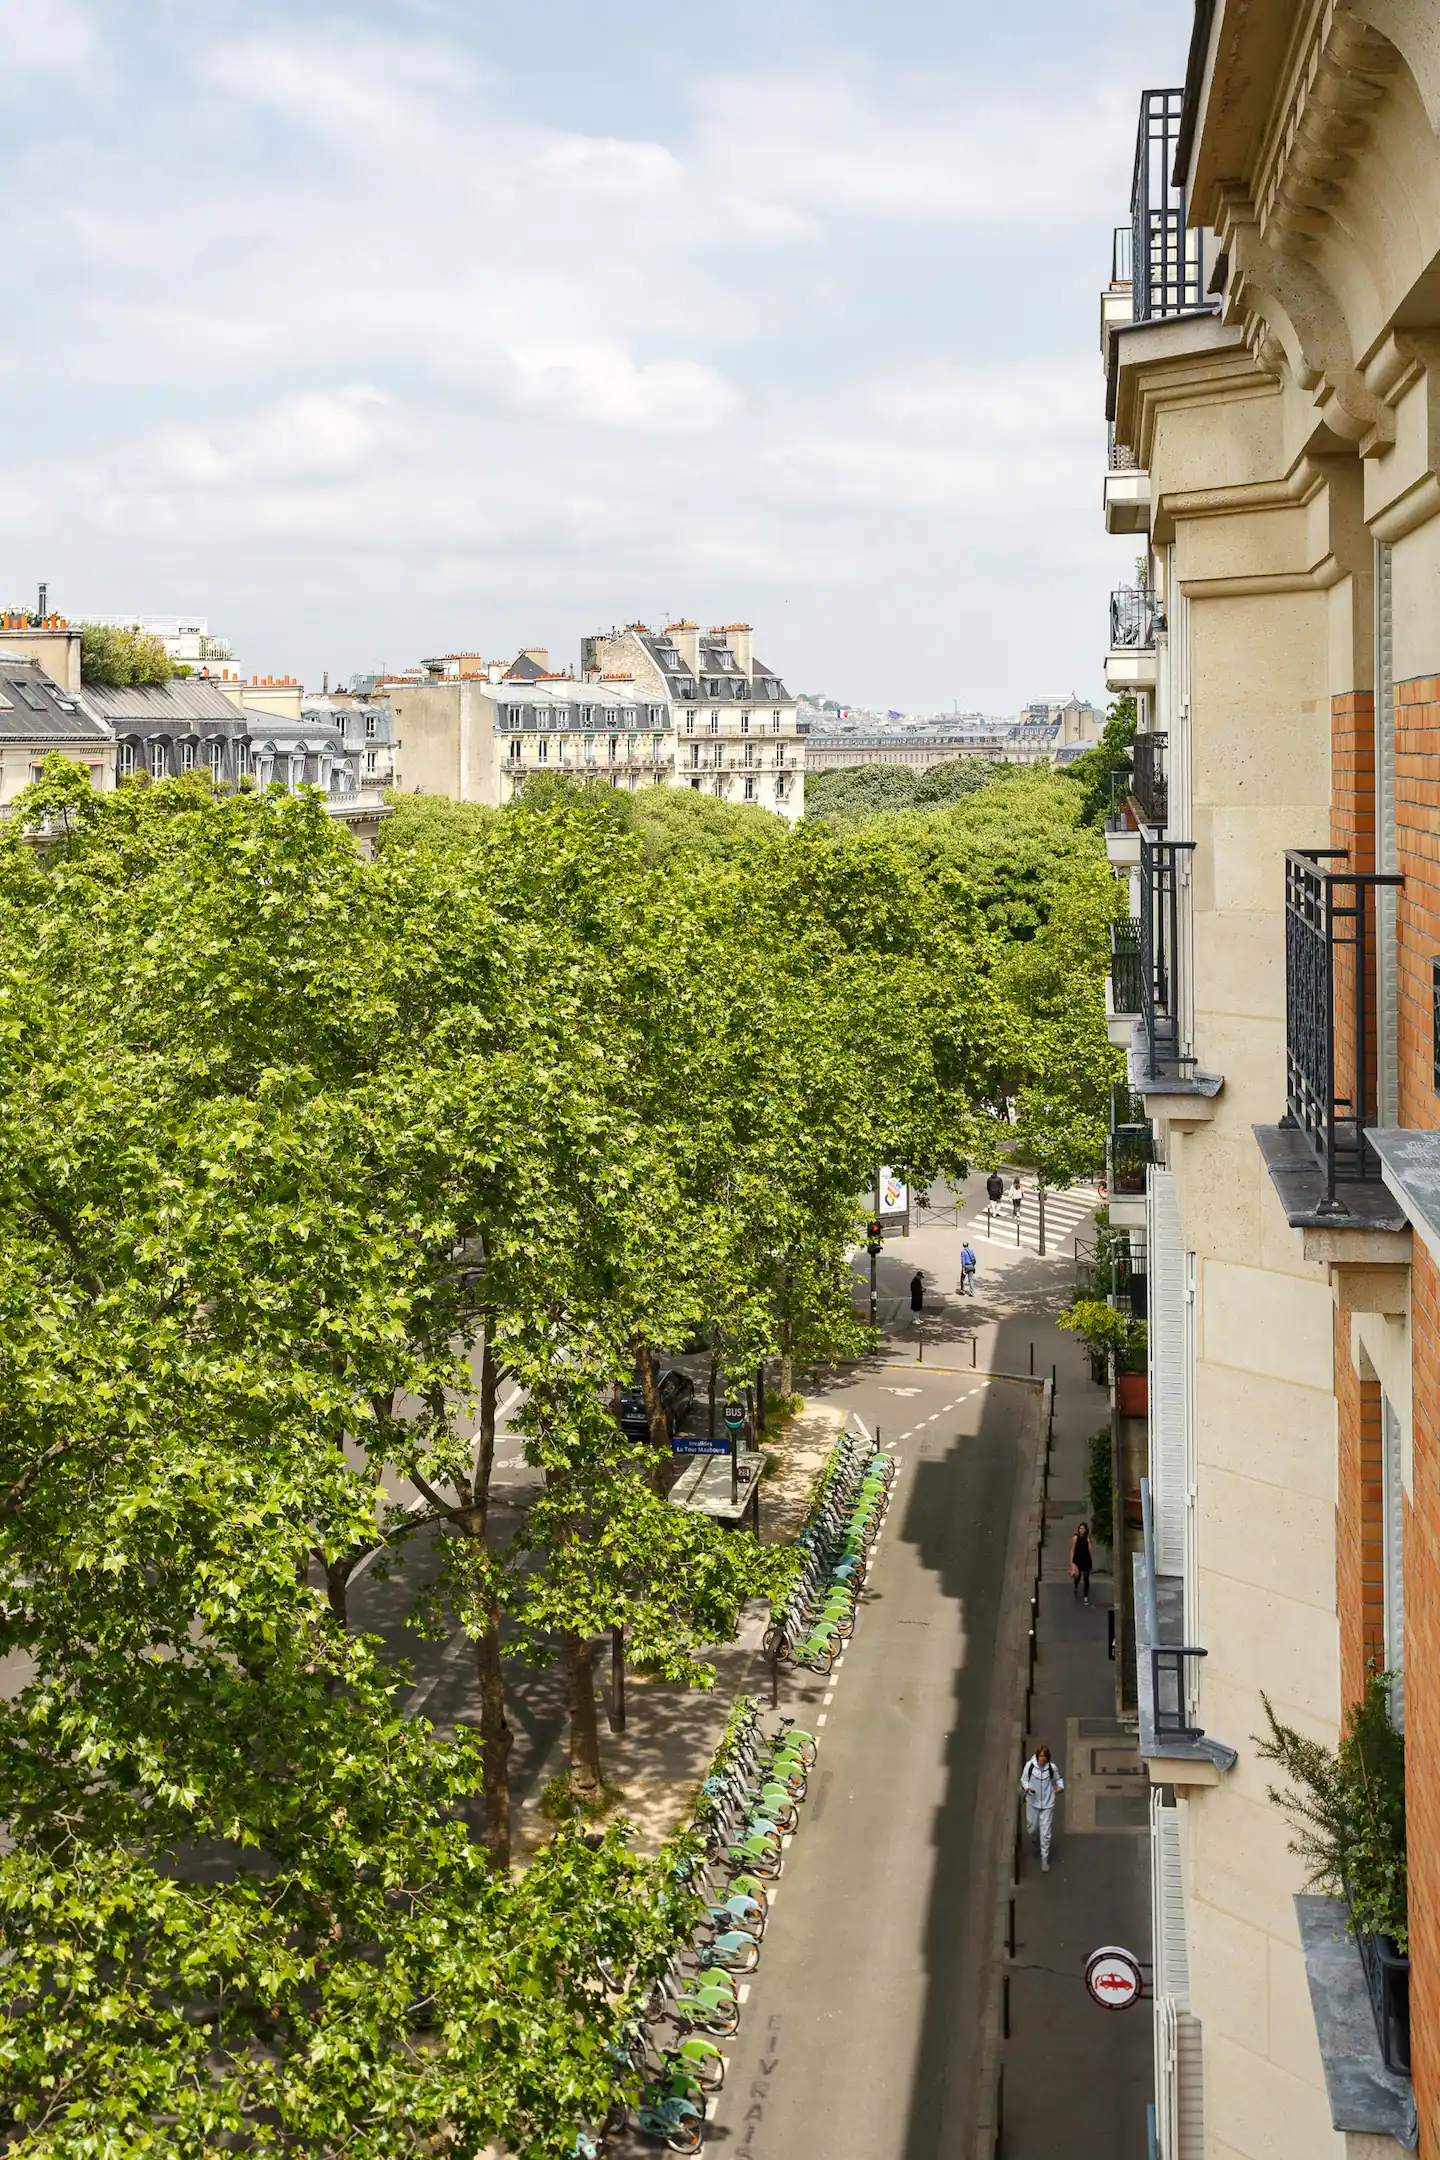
pixel 1272 350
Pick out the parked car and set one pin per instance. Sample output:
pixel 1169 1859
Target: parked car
pixel 677 1393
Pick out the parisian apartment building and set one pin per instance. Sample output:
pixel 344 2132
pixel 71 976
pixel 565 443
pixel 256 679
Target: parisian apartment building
pixel 1271 345
pixel 672 708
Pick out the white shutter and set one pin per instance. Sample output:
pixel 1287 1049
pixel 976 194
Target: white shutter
pixel 1179 2094
pixel 1167 1332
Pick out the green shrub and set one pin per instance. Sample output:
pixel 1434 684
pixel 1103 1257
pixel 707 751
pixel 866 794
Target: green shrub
pixel 1349 1810
pixel 116 658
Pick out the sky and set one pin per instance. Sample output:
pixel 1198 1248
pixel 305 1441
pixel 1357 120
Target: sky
pixel 415 326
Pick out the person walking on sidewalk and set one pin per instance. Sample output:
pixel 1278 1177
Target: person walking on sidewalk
pixel 995 1188
pixel 1082 1559
pixel 1042 1785
pixel 917 1293
pixel 1017 1196
pixel 968 1265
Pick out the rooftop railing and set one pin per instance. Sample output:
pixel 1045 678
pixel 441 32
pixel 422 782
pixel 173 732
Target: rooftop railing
pixel 1330 1035
pixel 1166 261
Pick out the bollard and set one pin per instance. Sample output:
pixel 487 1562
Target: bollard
pixel 973 1340
pixel 1010 1932
pixel 1032 1361
pixel 1005 2008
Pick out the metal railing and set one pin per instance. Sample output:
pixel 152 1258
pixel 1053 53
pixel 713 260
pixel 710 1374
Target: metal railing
pixel 1387 1981
pixel 1121 457
pixel 1161 989
pixel 1330 1040
pixel 1125 966
pixel 1135 616
pixel 1118 818
pixel 1130 1149
pixel 1167 1660
pixel 1166 267
pixel 1151 788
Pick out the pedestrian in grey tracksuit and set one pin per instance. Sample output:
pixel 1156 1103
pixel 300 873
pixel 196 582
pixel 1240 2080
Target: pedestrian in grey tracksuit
pixel 1042 1785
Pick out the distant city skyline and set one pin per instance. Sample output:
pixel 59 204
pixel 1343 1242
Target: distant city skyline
pixel 415 326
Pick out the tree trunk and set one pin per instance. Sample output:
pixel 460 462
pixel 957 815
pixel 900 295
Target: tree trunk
pixel 337 1587
pixel 585 1771
pixel 495 1734
pixel 714 1383
pixel 650 1387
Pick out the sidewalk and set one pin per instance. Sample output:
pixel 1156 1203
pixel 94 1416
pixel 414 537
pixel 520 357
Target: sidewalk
pixel 1073 2073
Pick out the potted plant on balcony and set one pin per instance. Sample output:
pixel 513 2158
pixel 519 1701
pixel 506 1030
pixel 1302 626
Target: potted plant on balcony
pixel 1132 1380
pixel 1110 1337
pixel 1347 1808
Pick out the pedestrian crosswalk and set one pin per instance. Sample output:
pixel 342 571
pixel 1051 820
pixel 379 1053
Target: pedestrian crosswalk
pixel 1065 1213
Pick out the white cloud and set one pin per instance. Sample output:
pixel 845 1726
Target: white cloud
pixel 46 37
pixel 367 309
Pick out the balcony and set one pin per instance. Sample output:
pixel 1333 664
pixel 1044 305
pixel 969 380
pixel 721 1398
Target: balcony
pixel 1123 1001
pixel 1175 1749
pixel 1127 490
pixel 1325 1165
pixel 1136 615
pixel 1129 1152
pixel 1162 1002
pixel 1150 786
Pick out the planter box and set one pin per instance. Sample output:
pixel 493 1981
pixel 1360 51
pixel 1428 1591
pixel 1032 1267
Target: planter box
pixel 1132 1394
pixel 1387 1977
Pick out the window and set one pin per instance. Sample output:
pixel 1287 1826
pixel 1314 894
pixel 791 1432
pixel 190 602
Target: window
pixel 589 749
pixel 514 747
pixel 749 753
pixel 187 757
pixel 242 759
pixel 1393 1534
pixel 689 723
pixel 297 771
pixel 587 716
pixel 782 789
pixel 125 760
pixel 657 716
pixel 714 723
pixel 749 789
pixel 780 753
pixel 157 761
pixel 217 761
pixel 37 774
pixel 96 774
pixel 371 763
pixel 775 723
pixel 614 748
pixel 542 750
pixel 30 694
pixel 744 723
pixel 696 785
pixel 694 754
pixel 371 723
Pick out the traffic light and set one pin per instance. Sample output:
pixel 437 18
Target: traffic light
pixel 873 1239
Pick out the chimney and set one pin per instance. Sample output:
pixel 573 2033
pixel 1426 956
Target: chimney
pixel 325 683
pixel 741 640
pixel 44 596
pixel 540 654
pixel 685 637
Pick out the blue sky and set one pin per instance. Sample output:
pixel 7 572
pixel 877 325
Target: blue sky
pixel 402 328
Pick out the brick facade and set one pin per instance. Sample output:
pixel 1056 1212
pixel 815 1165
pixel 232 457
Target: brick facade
pixel 1417 819
pixel 1417 832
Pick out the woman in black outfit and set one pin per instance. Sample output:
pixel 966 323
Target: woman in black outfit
pixel 1082 1559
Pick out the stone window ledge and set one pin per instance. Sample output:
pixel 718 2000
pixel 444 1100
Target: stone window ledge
pixel 1169 1759
pixel 1366 2099
pixel 1410 1167
pixel 1300 1188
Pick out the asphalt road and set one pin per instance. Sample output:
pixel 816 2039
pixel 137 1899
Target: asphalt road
pixel 861 2034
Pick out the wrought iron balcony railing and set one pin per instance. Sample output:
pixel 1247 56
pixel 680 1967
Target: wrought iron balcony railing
pixel 1161 988
pixel 1135 616
pixel 1151 788
pixel 1166 260
pixel 1330 1037
pixel 1169 1692
pixel 1131 1148
pixel 1125 966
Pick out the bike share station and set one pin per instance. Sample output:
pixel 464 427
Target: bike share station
pixel 724 1480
